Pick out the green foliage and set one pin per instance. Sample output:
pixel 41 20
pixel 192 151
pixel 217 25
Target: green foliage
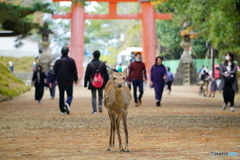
pixel 218 22
pixel 18 19
pixel 23 64
pixel 10 86
pixel 111 59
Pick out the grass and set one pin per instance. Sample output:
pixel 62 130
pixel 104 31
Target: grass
pixel 10 86
pixel 23 64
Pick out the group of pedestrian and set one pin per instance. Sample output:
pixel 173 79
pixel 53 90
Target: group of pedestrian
pixel 63 74
pixel 205 80
pixel 228 82
pixel 96 77
pixel 160 76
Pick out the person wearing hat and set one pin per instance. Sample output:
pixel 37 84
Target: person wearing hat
pixel 66 72
pixel 137 75
pixel 49 74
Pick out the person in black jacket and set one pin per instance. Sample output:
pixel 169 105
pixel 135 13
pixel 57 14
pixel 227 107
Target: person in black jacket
pixel 92 68
pixel 66 71
pixel 39 81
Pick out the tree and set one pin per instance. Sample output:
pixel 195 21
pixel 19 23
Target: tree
pixel 17 20
pixel 218 22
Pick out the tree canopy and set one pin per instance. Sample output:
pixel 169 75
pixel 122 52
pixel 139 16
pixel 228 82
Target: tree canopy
pixel 18 20
pixel 218 22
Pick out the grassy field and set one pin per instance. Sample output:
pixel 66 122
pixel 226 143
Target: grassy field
pixel 11 86
pixel 23 64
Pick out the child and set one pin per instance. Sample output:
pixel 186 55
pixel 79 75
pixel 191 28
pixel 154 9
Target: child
pixel 213 87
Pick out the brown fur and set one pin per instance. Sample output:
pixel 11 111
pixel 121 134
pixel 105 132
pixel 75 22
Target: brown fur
pixel 117 99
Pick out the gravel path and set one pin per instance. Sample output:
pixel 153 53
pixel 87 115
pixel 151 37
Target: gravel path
pixel 187 126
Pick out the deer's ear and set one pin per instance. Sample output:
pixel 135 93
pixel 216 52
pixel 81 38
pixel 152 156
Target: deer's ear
pixel 125 71
pixel 109 70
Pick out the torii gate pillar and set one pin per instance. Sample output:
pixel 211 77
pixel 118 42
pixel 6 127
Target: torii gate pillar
pixel 147 16
pixel 77 37
pixel 148 35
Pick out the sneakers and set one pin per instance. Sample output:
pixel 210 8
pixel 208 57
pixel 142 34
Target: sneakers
pixel 232 109
pixel 94 112
pixel 158 104
pixel 63 113
pixel 136 104
pixel 67 108
pixel 224 106
pixel 40 101
pixel 100 108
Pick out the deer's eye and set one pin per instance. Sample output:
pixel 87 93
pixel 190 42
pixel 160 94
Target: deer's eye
pixel 124 78
pixel 114 78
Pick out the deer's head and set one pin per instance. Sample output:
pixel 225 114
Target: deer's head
pixel 119 78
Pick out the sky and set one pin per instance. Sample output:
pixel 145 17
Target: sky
pixel 88 7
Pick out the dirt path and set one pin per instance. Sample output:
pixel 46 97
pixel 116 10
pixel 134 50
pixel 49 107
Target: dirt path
pixel 187 126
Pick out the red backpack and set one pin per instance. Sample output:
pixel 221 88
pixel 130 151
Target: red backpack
pixel 97 80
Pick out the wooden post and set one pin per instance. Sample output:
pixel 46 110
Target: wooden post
pixel 77 36
pixel 148 35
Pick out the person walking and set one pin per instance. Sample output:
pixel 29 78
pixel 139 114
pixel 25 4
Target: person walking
pixel 228 82
pixel 137 75
pixel 120 68
pixel 213 86
pixel 11 66
pixel 39 81
pixel 206 83
pixel 93 68
pixel 169 80
pixel 52 89
pixel 66 72
pixel 158 77
pixel 201 71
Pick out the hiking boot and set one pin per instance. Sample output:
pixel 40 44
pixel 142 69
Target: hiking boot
pixel 67 108
pixel 224 106
pixel 158 103
pixel 232 109
pixel 100 108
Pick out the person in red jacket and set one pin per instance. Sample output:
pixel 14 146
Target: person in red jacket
pixel 137 75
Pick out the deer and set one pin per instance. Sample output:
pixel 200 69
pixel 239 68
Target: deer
pixel 117 99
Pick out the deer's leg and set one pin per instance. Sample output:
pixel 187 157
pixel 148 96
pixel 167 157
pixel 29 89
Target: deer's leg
pixel 124 117
pixel 111 131
pixel 118 120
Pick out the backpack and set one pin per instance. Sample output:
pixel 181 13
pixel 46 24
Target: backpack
pixel 97 80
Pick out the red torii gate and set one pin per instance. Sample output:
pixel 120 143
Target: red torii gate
pixel 148 16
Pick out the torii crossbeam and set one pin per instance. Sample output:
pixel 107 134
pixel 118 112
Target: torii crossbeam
pixel 147 16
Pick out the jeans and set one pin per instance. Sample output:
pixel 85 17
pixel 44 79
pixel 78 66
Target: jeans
pixel 69 90
pixel 139 84
pixel 52 90
pixel 94 98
